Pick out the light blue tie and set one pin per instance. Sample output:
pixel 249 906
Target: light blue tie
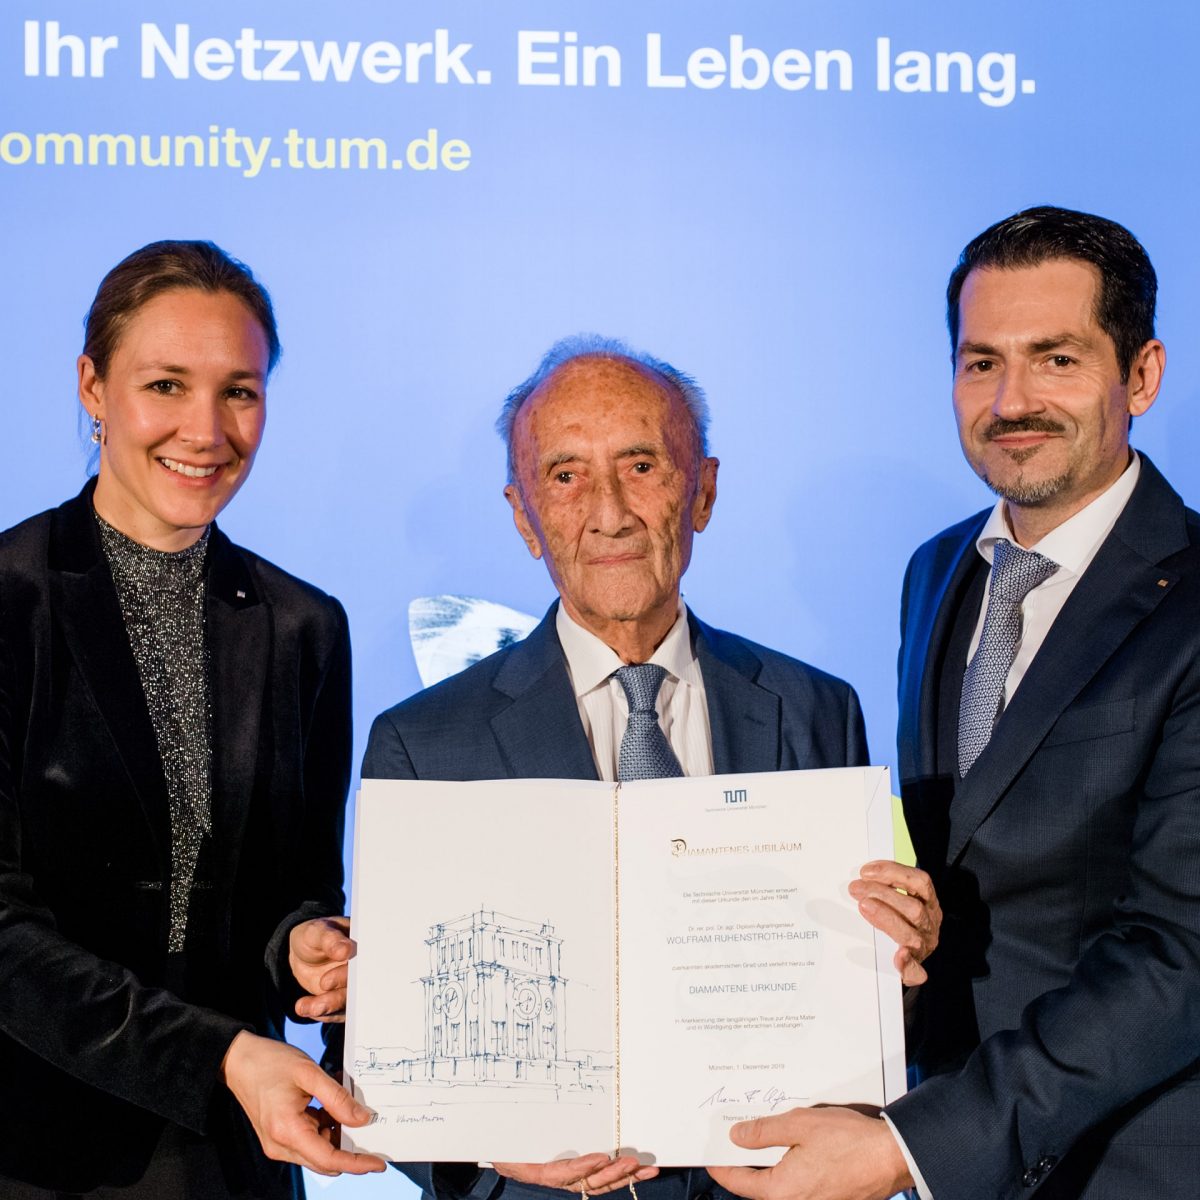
pixel 1015 573
pixel 645 752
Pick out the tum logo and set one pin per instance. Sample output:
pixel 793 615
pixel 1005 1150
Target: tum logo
pixel 736 797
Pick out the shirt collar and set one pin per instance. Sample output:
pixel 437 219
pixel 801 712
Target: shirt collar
pixel 590 661
pixel 1074 543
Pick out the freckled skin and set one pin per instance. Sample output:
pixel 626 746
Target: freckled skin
pixel 610 490
pixel 1043 416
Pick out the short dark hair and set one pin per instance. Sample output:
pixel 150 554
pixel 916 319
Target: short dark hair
pixel 163 267
pixel 593 345
pixel 1128 285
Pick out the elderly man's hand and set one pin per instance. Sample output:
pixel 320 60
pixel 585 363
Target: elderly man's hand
pixel 836 1154
pixel 593 1174
pixel 901 902
pixel 319 952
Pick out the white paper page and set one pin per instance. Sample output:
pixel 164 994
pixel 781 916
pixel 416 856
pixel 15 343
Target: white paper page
pixel 882 842
pixel 481 1008
pixel 748 979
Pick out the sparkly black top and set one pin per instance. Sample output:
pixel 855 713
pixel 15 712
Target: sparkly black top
pixel 162 600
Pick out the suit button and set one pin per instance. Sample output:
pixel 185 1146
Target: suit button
pixel 1030 1178
pixel 1046 1163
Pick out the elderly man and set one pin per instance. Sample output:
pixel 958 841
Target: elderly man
pixel 609 481
pixel 1050 758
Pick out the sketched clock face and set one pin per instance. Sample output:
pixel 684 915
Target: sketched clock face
pixel 526 1000
pixel 451 999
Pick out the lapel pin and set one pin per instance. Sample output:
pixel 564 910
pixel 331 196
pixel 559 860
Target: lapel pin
pixel 242 595
pixel 1162 583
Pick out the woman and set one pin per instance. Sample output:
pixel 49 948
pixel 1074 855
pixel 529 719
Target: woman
pixel 174 757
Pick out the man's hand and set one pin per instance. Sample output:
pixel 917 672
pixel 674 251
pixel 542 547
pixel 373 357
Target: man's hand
pixel 594 1174
pixel 275 1085
pixel 836 1154
pixel 319 952
pixel 901 902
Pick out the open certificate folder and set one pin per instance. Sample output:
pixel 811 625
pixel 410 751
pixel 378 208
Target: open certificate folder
pixel 548 968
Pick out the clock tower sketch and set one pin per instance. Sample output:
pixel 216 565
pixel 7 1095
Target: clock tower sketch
pixel 495 992
pixel 495 1010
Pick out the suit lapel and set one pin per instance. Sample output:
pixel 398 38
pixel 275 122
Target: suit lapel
pixel 239 646
pixel 540 735
pixel 1120 588
pixel 743 717
pixel 93 628
pixel 239 641
pixel 928 625
pixel 94 631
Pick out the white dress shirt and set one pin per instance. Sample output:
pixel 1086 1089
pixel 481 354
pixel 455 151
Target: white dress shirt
pixel 604 710
pixel 1072 545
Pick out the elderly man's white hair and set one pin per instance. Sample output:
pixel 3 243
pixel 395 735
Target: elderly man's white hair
pixel 594 345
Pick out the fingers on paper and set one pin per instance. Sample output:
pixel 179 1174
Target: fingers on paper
pixel 617 1175
pixel 901 902
pixel 334 1098
pixel 593 1174
pixel 318 954
pixel 329 1002
pixel 324 939
pixel 306 1142
pixel 912 974
pixel 900 917
pixel 293 1130
pixel 335 941
pixel 338 1108
pixel 912 879
pixel 564 1174
pixel 779 1129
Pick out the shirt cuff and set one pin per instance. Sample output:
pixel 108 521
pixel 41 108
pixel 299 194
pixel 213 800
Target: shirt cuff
pixel 915 1171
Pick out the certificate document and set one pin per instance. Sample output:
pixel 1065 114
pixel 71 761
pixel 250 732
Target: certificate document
pixel 547 968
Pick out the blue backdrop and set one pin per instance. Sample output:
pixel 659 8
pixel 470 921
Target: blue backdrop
pixel 781 226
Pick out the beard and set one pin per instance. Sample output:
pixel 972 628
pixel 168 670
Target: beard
pixel 1028 492
pixel 1020 490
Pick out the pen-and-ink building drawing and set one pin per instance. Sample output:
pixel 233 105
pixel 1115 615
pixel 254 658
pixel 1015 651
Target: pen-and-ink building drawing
pixel 495 1008
pixel 494 990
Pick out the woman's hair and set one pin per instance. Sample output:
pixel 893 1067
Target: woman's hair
pixel 164 267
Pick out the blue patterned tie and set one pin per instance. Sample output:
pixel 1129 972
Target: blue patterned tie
pixel 1015 573
pixel 645 751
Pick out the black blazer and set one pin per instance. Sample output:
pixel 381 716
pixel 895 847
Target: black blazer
pixel 1061 1020
pixel 514 716
pixel 94 1051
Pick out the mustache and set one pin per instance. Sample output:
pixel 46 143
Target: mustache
pixel 1001 427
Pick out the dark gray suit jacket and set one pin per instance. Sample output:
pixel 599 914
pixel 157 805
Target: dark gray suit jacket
pixel 514 716
pixel 1061 1021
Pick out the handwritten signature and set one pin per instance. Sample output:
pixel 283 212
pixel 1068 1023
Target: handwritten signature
pixel 772 1097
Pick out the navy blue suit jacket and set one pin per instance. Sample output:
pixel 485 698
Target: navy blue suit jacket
pixel 1061 1021
pixel 514 716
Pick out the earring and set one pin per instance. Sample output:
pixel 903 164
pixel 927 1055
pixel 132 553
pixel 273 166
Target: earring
pixel 96 430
